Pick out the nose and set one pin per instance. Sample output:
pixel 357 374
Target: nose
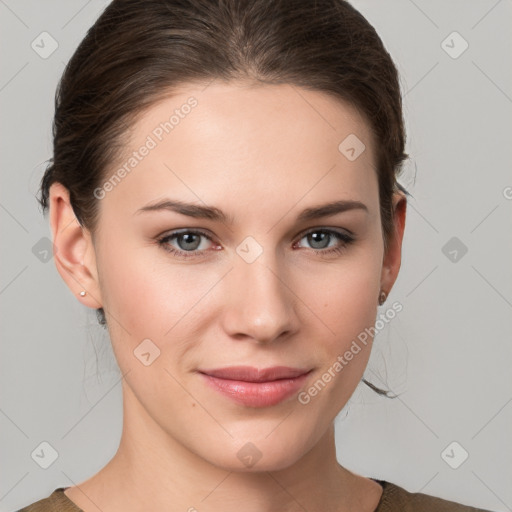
pixel 260 304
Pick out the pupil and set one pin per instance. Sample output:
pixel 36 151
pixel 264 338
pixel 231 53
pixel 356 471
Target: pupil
pixel 189 239
pixel 317 237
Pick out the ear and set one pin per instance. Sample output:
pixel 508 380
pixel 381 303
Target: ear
pixel 74 255
pixel 393 256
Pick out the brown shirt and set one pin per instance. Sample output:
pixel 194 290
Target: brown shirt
pixel 393 499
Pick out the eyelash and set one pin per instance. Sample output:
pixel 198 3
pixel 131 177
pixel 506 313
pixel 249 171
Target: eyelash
pixel 342 237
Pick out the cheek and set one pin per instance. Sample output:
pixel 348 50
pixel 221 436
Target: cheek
pixel 143 296
pixel 344 296
pixel 149 298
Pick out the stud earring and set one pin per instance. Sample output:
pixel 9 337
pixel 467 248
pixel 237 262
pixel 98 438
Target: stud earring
pixel 82 293
pixel 382 297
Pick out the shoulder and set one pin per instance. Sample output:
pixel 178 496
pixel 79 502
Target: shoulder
pixel 395 498
pixel 56 502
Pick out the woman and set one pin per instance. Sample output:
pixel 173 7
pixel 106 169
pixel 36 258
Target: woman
pixel 224 193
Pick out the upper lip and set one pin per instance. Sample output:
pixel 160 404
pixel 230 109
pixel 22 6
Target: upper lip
pixel 252 374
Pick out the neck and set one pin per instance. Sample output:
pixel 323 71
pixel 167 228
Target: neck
pixel 152 471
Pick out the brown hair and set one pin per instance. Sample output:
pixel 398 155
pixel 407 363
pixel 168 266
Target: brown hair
pixel 138 51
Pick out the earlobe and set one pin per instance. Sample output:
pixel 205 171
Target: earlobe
pixel 393 257
pixel 74 252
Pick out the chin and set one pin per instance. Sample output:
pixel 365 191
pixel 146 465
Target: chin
pixel 260 455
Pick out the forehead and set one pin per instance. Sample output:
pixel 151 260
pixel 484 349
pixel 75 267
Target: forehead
pixel 258 109
pixel 261 141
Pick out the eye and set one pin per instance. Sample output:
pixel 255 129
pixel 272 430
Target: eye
pixel 320 240
pixel 188 243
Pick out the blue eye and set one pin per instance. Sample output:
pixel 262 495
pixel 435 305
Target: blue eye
pixel 321 238
pixel 189 242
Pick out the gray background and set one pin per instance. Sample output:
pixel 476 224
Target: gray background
pixel 448 353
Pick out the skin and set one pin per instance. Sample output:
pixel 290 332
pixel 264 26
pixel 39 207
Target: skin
pixel 262 154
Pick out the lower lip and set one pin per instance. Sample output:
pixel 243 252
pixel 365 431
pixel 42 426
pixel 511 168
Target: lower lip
pixel 257 394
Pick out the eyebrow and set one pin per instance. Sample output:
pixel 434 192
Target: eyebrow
pixel 213 213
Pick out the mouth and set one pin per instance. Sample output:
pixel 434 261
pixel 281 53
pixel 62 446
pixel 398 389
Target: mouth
pixel 251 387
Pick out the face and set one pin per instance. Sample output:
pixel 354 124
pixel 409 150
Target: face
pixel 251 271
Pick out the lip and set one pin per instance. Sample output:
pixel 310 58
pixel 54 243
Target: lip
pixel 252 387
